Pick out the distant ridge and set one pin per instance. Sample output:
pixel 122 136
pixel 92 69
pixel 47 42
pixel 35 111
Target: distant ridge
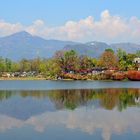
pixel 94 49
pixel 24 45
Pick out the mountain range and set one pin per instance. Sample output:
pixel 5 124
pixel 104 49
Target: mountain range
pixel 95 49
pixel 24 45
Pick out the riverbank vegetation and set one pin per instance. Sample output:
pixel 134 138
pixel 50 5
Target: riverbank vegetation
pixel 112 65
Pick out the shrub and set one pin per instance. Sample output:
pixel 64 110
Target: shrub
pixel 119 76
pixel 133 75
pixel 108 74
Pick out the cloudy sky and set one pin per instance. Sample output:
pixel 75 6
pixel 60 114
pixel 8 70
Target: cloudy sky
pixel 77 20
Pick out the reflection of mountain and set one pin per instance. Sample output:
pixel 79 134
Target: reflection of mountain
pixel 18 105
pixel 24 104
pixel 83 119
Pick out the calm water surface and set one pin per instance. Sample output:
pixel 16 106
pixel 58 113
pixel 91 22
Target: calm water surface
pixel 96 112
pixel 47 85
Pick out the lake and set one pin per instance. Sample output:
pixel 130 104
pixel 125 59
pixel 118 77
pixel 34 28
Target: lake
pixel 62 84
pixel 66 110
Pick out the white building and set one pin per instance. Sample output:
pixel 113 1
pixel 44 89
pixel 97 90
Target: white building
pixel 137 60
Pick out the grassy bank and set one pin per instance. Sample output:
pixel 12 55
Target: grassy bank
pixel 22 78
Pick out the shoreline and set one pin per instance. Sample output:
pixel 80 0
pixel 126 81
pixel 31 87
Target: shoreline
pixel 21 78
pixel 42 79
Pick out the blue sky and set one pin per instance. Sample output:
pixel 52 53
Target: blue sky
pixel 56 13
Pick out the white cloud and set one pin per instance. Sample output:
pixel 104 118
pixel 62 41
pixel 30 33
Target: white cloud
pixel 8 28
pixel 110 28
pixel 86 120
pixel 105 14
pixel 36 28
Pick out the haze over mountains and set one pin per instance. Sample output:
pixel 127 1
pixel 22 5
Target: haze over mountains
pixel 24 45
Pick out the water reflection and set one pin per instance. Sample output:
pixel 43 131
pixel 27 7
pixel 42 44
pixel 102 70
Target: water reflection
pixel 72 99
pixel 109 111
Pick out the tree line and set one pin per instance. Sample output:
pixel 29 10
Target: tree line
pixel 70 61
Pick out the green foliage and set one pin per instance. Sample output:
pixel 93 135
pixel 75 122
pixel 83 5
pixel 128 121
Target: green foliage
pixel 138 53
pixel 70 61
pixel 121 54
pixel 67 60
pixel 52 68
pixel 125 60
pixel 109 50
pixel 2 65
pixel 125 99
pixel 8 65
pixel 25 65
pixel 15 67
pixel 70 105
pixel 86 62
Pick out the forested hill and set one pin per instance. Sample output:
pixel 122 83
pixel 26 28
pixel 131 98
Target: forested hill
pixel 24 45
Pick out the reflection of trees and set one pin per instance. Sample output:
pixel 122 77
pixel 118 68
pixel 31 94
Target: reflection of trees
pixel 121 98
pixel 108 100
pixel 71 99
pixel 5 95
pixel 37 94
pixel 127 98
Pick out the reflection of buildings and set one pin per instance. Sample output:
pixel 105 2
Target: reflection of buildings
pixel 137 100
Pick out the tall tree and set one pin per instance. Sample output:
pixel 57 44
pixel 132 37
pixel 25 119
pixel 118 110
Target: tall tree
pixel 71 60
pixel 2 65
pixel 108 59
pixel 86 62
pixel 25 65
pixel 122 64
pixel 138 53
pixel 8 65
pixel 52 68
pixel 67 60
